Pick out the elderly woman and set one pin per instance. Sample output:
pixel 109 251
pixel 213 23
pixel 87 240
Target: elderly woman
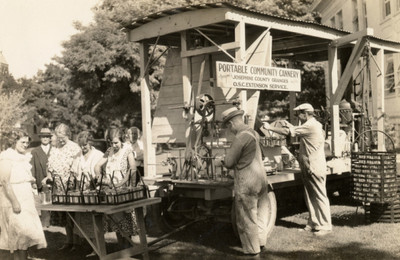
pixel 88 158
pixel 84 171
pixel 60 166
pixel 119 162
pixel 19 221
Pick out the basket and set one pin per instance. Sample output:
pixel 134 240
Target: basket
pixel 69 196
pixel 374 175
pixel 114 197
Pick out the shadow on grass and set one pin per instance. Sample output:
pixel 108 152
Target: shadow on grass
pixel 55 240
pixel 348 251
pixel 205 238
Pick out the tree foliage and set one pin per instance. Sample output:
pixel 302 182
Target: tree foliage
pixel 12 109
pixel 104 66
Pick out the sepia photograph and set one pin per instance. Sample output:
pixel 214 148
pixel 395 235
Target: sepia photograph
pixel 199 129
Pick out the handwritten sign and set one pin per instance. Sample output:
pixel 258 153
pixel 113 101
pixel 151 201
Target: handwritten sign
pixel 245 76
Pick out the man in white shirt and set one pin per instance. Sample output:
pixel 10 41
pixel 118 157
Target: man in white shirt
pixel 313 167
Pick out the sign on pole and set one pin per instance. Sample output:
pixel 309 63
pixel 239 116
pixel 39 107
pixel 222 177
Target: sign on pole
pixel 245 76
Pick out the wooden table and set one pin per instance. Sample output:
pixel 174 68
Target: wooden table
pixel 98 212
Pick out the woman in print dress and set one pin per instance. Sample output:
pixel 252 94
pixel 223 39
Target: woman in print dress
pixel 20 224
pixel 119 162
pixel 61 165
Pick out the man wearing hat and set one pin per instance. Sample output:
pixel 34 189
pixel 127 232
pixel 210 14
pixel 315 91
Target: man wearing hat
pixel 313 167
pixel 40 156
pixel 250 182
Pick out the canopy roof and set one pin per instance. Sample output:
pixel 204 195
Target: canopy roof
pixel 292 38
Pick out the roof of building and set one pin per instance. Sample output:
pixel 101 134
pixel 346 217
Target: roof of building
pixel 305 38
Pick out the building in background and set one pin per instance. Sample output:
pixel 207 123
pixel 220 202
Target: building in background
pixel 3 64
pixel 383 16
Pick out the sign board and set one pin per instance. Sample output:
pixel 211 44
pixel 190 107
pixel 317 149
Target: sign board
pixel 245 76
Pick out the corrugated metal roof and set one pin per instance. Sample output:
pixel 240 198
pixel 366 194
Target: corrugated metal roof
pixel 148 18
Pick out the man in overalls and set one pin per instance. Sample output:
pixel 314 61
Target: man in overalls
pixel 313 167
pixel 250 182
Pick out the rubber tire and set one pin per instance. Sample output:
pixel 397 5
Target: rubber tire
pixel 169 222
pixel 271 214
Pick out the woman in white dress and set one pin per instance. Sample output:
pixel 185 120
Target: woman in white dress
pixel 19 220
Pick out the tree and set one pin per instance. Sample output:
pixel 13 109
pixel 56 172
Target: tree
pixel 12 110
pixel 103 65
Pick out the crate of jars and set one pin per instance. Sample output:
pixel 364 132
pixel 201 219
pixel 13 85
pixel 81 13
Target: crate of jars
pixel 99 192
pixel 273 141
pixel 115 196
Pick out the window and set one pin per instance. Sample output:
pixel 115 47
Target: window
pixel 386 8
pixel 389 76
pixel 355 15
pixel 340 19
pixel 397 85
pixel 333 22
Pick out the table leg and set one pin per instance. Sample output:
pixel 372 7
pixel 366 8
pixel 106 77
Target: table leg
pixel 99 234
pixel 142 231
pixel 88 239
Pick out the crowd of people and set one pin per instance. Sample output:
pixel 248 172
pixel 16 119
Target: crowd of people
pixel 58 159
pixel 57 164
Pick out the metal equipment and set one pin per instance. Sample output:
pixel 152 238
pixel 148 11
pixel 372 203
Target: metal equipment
pixel 199 37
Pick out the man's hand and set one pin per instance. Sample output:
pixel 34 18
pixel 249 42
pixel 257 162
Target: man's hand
pixel 44 181
pixel 219 160
pixel 266 126
pixel 16 207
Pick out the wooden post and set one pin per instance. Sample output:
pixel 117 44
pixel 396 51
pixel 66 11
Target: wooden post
pixel 240 54
pixel 292 100
pixel 149 153
pixel 186 72
pixel 378 97
pixel 334 106
pixel 188 99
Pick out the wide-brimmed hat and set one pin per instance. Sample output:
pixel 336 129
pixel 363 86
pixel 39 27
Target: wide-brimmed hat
pixel 45 132
pixel 229 114
pixel 304 107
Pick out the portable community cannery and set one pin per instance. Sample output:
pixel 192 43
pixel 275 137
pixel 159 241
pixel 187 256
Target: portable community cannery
pixel 219 55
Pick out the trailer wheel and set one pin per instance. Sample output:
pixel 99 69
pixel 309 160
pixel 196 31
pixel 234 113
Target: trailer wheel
pixel 272 209
pixel 172 216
